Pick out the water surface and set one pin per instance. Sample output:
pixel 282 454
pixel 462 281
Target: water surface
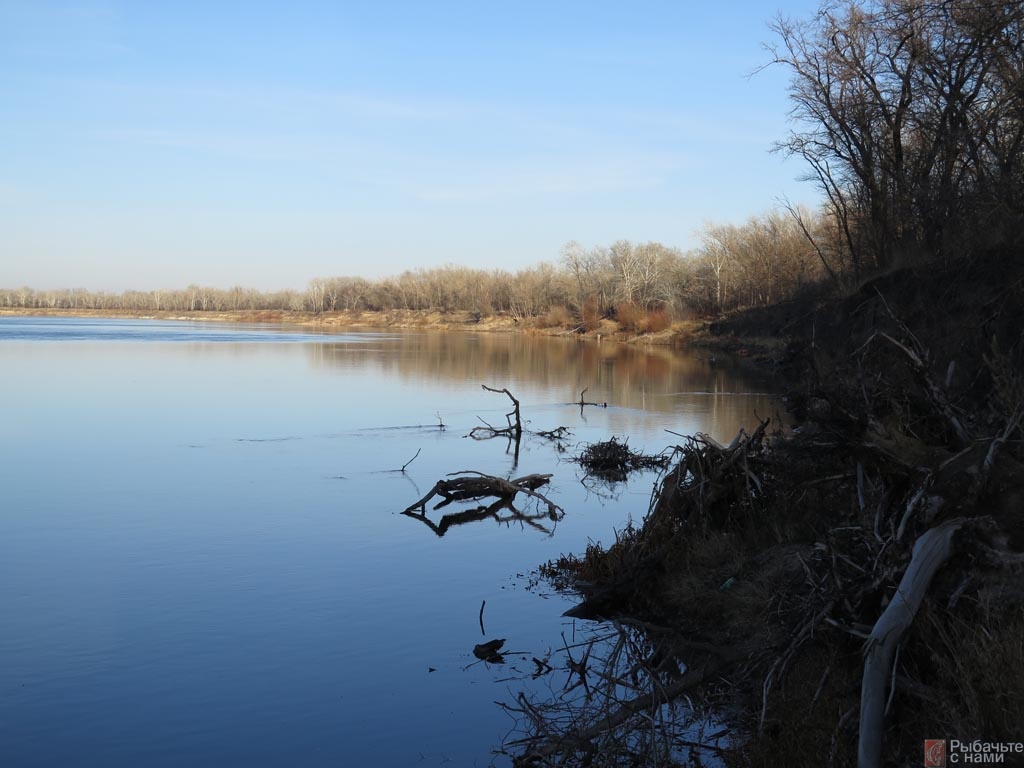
pixel 202 556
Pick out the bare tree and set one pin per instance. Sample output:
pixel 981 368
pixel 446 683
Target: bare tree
pixel 910 116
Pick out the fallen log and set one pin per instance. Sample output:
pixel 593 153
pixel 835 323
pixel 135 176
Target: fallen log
pixel 930 552
pixel 469 485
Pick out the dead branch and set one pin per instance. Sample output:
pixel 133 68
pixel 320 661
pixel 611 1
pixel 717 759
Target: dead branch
pixel 706 473
pixel 798 218
pixel 556 434
pixel 918 356
pixel 779 667
pixel 996 444
pixel 514 430
pixel 930 552
pixel 582 402
pixel 479 486
pixel 402 469
pixel 410 461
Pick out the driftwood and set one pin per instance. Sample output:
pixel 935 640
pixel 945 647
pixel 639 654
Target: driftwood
pixel 557 434
pixel 514 430
pixel 931 551
pixel 468 485
pixel 708 471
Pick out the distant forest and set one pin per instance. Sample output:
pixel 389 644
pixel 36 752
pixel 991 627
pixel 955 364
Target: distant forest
pixel 757 263
pixel 910 116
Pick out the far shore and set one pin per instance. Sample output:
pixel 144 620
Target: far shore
pixel 678 335
pixel 751 349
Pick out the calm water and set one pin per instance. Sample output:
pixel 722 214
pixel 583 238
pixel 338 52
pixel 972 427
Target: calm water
pixel 202 560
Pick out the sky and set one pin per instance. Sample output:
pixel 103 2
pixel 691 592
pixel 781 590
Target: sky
pixel 152 144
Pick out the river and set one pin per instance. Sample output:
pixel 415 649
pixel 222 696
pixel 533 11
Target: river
pixel 203 559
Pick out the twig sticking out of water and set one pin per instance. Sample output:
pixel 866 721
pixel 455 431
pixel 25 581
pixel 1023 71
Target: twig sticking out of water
pixel 582 402
pixel 410 461
pixel 402 469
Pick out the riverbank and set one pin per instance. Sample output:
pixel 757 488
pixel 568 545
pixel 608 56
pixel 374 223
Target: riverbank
pixel 678 334
pixel 393 319
pixel 843 593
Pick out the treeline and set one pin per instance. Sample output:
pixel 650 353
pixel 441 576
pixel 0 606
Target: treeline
pixel 191 299
pixel 751 264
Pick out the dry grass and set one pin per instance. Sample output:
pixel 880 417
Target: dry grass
pixel 812 720
pixel 963 677
pixel 598 564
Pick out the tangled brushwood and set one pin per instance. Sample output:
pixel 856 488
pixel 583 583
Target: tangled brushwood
pixel 834 596
pixel 612 461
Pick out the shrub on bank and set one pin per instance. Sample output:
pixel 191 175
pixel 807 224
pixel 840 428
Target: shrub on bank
pixel 557 316
pixel 633 318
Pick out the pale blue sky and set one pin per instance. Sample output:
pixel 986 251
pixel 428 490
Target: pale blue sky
pixel 151 144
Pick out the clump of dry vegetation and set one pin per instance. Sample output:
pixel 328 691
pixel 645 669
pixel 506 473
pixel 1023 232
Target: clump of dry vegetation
pixel 559 316
pixel 612 460
pixel 640 320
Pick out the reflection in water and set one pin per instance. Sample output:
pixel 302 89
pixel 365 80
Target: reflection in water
pixel 649 382
pixel 622 701
pixel 490 512
pixel 649 379
pixel 618 374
